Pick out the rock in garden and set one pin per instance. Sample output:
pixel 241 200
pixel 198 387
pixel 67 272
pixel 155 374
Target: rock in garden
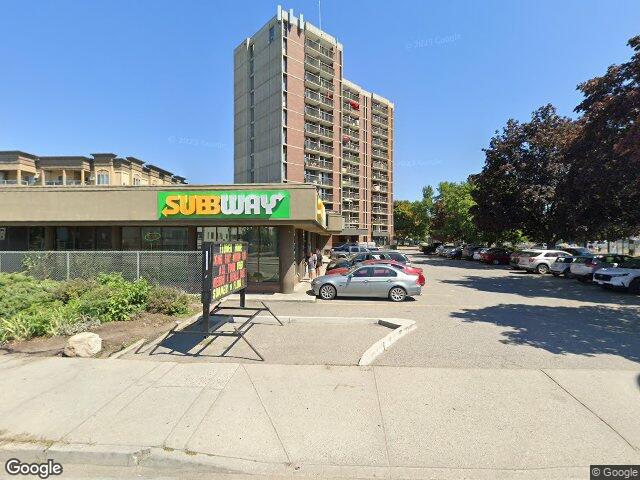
pixel 85 344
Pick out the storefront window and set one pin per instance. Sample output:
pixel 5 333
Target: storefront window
pixel 36 238
pixel 151 238
pixel 251 236
pixel 131 238
pixel 64 238
pixel 175 238
pixel 85 238
pixel 103 238
pixel 269 265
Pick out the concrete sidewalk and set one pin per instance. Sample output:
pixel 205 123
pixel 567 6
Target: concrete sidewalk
pixel 284 420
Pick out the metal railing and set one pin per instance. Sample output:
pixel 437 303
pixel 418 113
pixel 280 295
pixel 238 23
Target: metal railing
pixel 350 95
pixel 354 146
pixel 350 183
pixel 320 65
pixel 379 142
pixel 379 108
pixel 380 188
pixel 379 119
pixel 317 162
pixel 379 198
pixel 179 269
pixel 350 157
pixel 350 132
pixel 317 113
pixel 318 146
pixel 316 80
pixel 376 152
pixel 327 52
pixel 326 197
pixel 318 97
pixel 379 131
pixel 379 165
pixel 311 178
pixel 318 130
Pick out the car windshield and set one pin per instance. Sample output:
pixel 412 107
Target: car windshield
pixel 631 263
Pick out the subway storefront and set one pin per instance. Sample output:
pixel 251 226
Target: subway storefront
pixel 280 222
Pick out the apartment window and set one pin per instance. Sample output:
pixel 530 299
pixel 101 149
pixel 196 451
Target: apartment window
pixel 284 117
pixel 251 146
pixel 251 50
pixel 251 98
pixel 284 135
pixel 284 155
pixel 251 83
pixel 103 177
pixel 285 28
pixel 284 63
pixel 136 180
pixel 251 114
pixel 284 100
pixel 284 44
pixel 252 130
pixel 272 34
pixel 284 82
pixel 251 66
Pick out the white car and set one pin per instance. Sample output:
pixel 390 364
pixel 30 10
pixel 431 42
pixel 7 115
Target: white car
pixel 583 268
pixel 478 253
pixel 626 276
pixel 540 261
pixel 562 266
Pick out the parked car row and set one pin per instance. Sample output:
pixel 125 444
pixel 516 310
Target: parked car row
pixel 353 272
pixel 606 270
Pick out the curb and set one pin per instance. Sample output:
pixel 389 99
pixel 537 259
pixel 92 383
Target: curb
pixel 400 326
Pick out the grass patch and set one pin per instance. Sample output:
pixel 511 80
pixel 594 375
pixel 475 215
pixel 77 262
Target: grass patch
pixel 32 308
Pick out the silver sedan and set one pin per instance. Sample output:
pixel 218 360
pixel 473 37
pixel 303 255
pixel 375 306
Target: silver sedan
pixel 368 281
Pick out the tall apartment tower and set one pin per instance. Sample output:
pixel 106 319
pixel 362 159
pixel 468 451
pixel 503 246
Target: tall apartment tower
pixel 297 119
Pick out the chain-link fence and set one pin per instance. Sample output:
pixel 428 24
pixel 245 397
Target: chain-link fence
pixel 170 268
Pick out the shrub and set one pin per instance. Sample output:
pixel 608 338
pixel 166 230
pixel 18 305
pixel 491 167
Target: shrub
pixel 75 288
pixel 19 291
pixel 36 321
pixel 113 299
pixel 168 301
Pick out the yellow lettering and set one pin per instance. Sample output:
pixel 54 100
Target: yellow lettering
pixel 171 205
pixel 187 205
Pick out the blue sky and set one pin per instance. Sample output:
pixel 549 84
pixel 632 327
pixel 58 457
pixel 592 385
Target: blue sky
pixel 154 79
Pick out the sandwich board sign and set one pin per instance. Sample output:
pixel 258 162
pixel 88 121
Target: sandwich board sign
pixel 224 271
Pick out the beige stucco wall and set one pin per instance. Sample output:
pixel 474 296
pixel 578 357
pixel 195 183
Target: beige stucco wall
pixel 134 205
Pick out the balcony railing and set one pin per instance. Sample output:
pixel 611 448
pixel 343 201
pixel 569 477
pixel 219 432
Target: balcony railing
pixel 314 161
pixel 325 197
pixel 14 182
pixel 379 165
pixel 379 142
pixel 319 114
pixel 379 210
pixel 380 231
pixel 317 179
pixel 351 224
pixel 318 130
pixel 318 146
pixel 378 119
pixel 350 95
pixel 380 221
pixel 350 121
pixel 351 207
pixel 316 80
pixel 379 198
pixel 327 52
pixel 377 176
pixel 376 152
pixel 347 195
pixel 351 132
pixel 320 65
pixel 379 131
pixel 379 108
pixel 350 157
pixel 347 182
pixel 379 188
pixel 318 97
pixel 354 146
pixel 351 171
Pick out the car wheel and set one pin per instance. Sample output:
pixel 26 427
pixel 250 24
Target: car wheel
pixel 397 294
pixel 634 286
pixel 328 292
pixel 496 262
pixel 542 268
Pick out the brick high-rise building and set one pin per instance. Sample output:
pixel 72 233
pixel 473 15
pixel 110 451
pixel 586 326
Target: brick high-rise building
pixel 297 119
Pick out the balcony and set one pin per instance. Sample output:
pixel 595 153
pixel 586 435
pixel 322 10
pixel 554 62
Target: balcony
pixel 317 179
pixel 13 182
pixel 325 197
pixel 350 95
pixel 319 66
pixel 351 106
pixel 379 210
pixel 379 199
pixel 350 157
pixel 319 115
pixel 350 132
pixel 380 221
pixel 348 170
pixel 377 119
pixel 317 98
pixel 380 165
pixel 379 176
pixel 317 47
pixel 348 224
pixel 319 163
pixel 377 142
pixel 380 231
pixel 313 129
pixel 379 188
pixel 377 153
pixel 349 182
pixel 318 146
pixel 316 81
pixel 351 207
pixel 349 195
pixel 381 109
pixel 379 131
pixel 353 146
pixel 346 119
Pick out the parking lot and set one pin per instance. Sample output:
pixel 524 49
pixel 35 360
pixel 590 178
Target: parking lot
pixel 485 316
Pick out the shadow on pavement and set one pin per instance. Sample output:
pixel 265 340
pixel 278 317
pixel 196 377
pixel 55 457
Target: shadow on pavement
pixel 439 262
pixel 584 330
pixel 534 285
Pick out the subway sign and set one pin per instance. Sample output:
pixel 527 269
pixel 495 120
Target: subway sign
pixel 224 204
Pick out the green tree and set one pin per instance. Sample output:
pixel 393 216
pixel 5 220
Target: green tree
pixel 403 219
pixel 452 219
pixel 602 189
pixel 412 219
pixel 519 186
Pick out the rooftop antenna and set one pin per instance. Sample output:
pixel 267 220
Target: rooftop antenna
pixel 319 16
